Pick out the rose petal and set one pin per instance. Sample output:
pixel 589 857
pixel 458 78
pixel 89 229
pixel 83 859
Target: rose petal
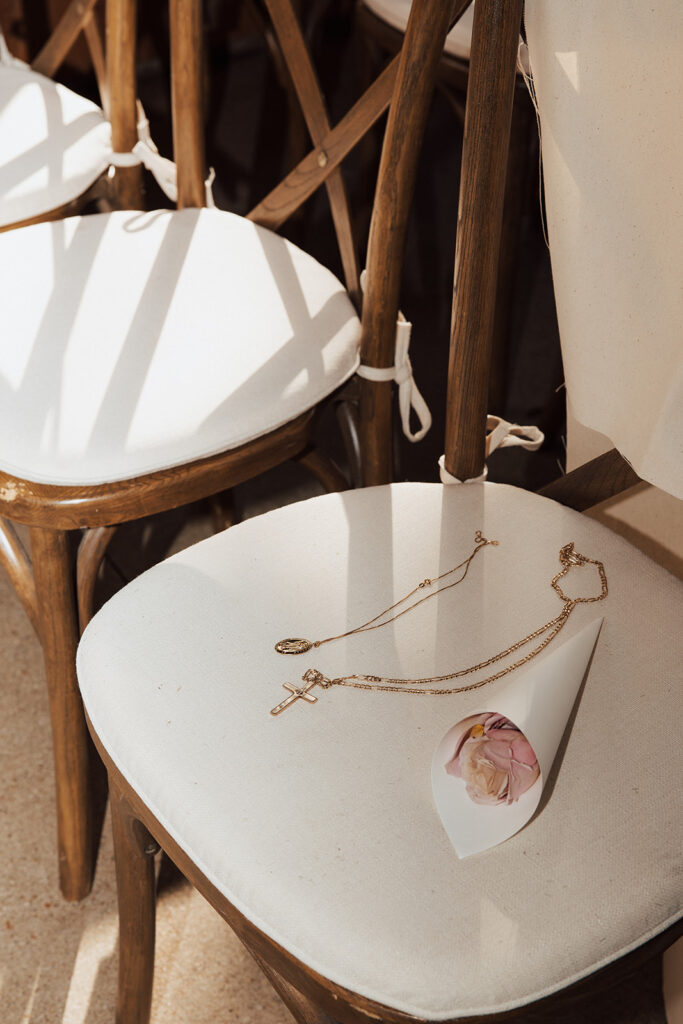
pixel 522 750
pixel 521 778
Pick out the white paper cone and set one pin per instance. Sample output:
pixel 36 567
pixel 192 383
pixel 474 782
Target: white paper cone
pixel 539 701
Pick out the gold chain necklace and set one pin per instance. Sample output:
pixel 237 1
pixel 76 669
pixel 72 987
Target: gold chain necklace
pixel 297 645
pixel 568 558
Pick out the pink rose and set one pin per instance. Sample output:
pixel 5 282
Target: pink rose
pixel 495 760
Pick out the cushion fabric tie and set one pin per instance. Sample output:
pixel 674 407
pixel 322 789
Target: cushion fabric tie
pixel 409 396
pixel 501 434
pixel 164 170
pixel 448 478
pixel 7 58
pixel 510 435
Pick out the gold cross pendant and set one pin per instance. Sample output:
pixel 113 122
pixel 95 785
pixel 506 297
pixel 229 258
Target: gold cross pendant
pixel 309 679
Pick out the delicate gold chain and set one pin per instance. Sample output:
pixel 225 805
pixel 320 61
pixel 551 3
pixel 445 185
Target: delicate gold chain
pixel 568 558
pixel 297 645
pixel 480 542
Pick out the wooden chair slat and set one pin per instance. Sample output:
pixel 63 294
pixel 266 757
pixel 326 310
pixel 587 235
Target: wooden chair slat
pixel 50 57
pixel 482 186
pixel 305 81
pixel 311 172
pixel 425 34
pixel 121 41
pixel 17 564
pixel 593 482
pixel 187 105
pixel 93 37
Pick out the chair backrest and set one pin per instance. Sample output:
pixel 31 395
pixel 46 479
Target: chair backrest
pixel 490 91
pixel 405 86
pixel 78 16
pixel 114 70
pixel 609 88
pixel 603 251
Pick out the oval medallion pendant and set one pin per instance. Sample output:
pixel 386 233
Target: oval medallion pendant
pixel 293 645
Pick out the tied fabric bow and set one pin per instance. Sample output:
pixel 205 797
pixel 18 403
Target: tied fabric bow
pixel 409 397
pixel 501 434
pixel 164 170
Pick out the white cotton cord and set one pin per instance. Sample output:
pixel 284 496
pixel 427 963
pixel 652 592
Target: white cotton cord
pixel 500 434
pixel 524 68
pixel 448 478
pixel 208 188
pixel 409 397
pixel 163 170
pixel 7 57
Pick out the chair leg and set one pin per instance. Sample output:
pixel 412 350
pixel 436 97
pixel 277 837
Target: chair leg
pixel 300 1006
pixel 134 849
pixel 324 470
pixel 58 618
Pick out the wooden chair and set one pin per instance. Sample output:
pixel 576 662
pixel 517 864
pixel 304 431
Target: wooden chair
pixel 151 360
pixel 381 24
pixel 313 832
pixel 56 147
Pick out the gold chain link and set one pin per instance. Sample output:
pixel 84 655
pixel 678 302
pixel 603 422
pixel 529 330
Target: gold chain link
pixel 568 558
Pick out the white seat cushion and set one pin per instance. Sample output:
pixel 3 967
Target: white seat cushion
pixel 53 144
pixel 319 824
pixel 132 342
pixel 396 12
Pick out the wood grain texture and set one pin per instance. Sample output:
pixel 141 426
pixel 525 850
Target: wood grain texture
pixel 453 73
pixel 324 470
pixel 77 507
pixel 305 81
pixel 134 851
pixel 93 37
pixel 67 30
pixel 487 129
pixel 121 24
pixel 593 482
pixel 187 106
pixel 91 551
pixel 415 78
pixel 334 146
pixel 286 198
pixel 303 1010
pixel 54 578
pixel 453 70
pixel 16 562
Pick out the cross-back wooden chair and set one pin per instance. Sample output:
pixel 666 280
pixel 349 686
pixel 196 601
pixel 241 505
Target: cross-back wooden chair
pixel 57 147
pixel 381 24
pixel 151 360
pixel 312 829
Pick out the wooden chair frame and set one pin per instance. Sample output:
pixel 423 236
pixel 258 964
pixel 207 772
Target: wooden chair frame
pixel 58 596
pixel 310 997
pixel 115 74
pixel 452 80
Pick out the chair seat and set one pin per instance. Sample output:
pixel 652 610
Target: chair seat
pixel 395 13
pixel 318 824
pixel 53 144
pixel 133 342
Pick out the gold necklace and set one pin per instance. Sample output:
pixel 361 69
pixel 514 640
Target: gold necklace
pixel 297 645
pixel 568 558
